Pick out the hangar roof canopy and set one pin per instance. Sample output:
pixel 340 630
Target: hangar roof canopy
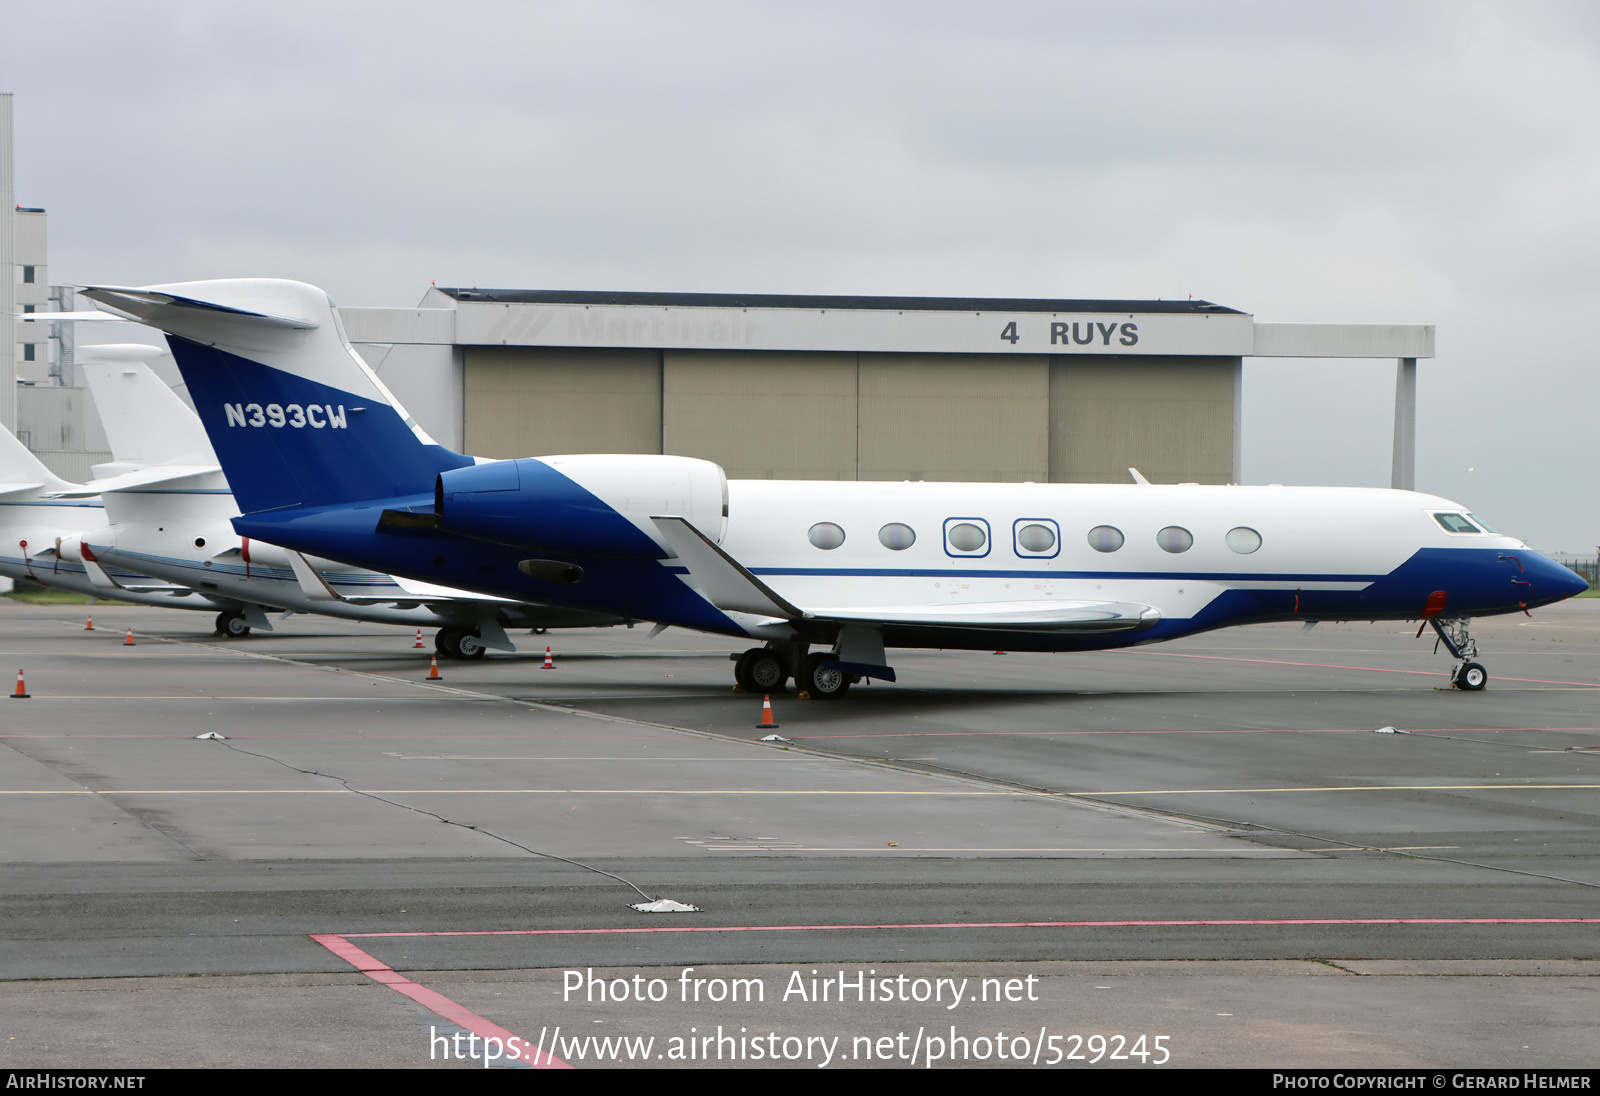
pixel 826 301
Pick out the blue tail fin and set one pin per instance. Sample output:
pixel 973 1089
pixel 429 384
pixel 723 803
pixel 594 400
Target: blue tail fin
pixel 294 414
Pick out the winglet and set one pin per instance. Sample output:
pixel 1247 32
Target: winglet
pixel 720 577
pixel 313 585
pixel 1138 477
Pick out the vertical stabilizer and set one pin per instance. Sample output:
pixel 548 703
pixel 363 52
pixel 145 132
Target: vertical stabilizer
pixel 20 469
pixel 145 422
pixel 295 416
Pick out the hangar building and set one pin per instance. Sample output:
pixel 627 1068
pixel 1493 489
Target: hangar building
pixel 834 387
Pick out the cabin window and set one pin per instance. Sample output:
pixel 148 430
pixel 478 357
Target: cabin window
pixel 1455 523
pixel 826 535
pixel 1175 539
pixel 1035 537
pixel 1244 540
pixel 966 537
pixel 897 536
pixel 1105 538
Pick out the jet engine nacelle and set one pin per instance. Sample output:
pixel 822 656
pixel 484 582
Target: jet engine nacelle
pixel 587 505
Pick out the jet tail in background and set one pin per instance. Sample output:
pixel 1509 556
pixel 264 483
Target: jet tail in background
pixel 146 424
pixel 23 473
pixel 296 418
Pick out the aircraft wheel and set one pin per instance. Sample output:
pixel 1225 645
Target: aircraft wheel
pixel 444 641
pixel 1472 677
pixel 760 670
pixel 470 645
pixel 821 682
pixel 232 624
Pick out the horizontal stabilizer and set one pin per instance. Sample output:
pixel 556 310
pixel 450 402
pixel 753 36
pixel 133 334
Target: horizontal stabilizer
pixel 55 317
pixel 164 309
pixel 140 478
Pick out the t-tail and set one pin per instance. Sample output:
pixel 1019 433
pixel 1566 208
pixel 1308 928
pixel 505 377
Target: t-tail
pixel 295 416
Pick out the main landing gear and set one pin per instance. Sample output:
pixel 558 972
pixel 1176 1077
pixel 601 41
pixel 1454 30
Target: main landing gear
pixel 232 624
pixel 459 643
pixel 766 669
pixel 1468 674
pixel 760 670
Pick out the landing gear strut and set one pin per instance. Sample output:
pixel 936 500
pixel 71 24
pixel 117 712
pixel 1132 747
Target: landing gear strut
pixel 1468 674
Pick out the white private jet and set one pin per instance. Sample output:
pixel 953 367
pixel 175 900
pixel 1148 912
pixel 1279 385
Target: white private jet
pixel 322 459
pixel 37 518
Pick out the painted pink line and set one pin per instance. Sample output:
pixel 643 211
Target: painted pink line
pixel 1189 923
pixel 1025 734
pixel 435 1002
pixel 379 737
pixel 1341 666
pixel 1213 730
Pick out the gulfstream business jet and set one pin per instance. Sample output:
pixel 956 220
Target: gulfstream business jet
pixel 827 576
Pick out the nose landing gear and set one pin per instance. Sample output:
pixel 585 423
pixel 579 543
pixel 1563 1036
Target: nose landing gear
pixel 1468 674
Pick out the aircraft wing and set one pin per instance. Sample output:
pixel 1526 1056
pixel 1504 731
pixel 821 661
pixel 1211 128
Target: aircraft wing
pixel 730 586
pixel 427 591
pixel 1011 616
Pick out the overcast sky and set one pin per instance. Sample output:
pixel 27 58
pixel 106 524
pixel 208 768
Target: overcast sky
pixel 1339 162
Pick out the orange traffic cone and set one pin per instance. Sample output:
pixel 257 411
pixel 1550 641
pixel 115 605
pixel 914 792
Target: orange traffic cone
pixel 766 714
pixel 549 663
pixel 88 625
pixel 433 669
pixel 129 641
pixel 417 646
pixel 22 690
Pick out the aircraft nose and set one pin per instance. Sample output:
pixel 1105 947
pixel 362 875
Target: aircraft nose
pixel 1556 582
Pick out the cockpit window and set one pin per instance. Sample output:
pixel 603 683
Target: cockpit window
pixel 1485 526
pixel 1456 523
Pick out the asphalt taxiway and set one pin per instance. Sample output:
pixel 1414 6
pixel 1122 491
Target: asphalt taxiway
pixel 1262 844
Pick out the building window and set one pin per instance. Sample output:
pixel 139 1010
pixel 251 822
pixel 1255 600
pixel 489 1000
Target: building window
pixel 27 352
pixel 27 275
